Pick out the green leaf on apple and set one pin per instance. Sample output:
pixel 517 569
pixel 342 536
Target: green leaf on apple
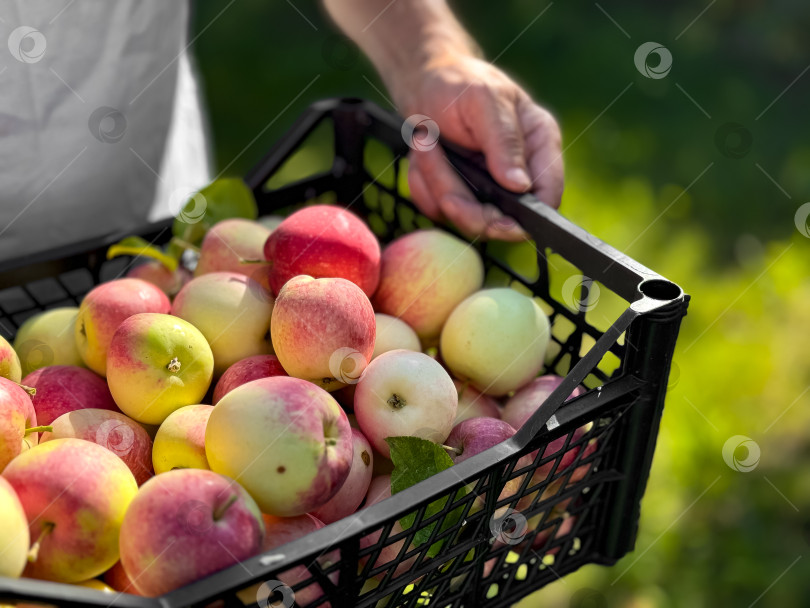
pixel 415 460
pixel 222 199
pixel 138 247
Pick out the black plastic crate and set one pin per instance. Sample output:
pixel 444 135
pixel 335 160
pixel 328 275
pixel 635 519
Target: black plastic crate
pixel 487 556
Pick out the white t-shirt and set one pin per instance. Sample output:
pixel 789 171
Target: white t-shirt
pixel 101 128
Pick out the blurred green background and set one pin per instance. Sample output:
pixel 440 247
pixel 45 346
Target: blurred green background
pixel 699 175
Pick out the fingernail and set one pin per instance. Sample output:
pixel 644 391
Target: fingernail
pixel 519 178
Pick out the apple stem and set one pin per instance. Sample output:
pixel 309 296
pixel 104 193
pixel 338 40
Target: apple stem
pixel 28 389
pixel 247 261
pixel 451 449
pixel 396 402
pixel 45 428
pixel 174 365
pixel 220 511
pixel 185 244
pixel 33 552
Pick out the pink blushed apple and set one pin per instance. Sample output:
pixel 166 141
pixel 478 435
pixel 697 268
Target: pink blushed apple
pixel 184 525
pixel 104 308
pixel 351 493
pixel 17 416
pixel 74 494
pixel 117 578
pixel 112 430
pixel 472 404
pixel 235 245
pixel 423 276
pixel 287 441
pixel 379 489
pixel 65 388
pixel 323 241
pixel 180 440
pixel 529 398
pixel 245 370
pixel 168 281
pixel 405 393
pixel 323 330
pixel 394 334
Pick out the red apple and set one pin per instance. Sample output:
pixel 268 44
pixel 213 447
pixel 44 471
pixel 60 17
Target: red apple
pixel 351 493
pixel 17 415
pixel 528 399
pixel 323 241
pixel 245 370
pixel 117 578
pixel 323 330
pixel 184 525
pixel 229 244
pixel 66 388
pixel 169 282
pixel 112 430
pixel 104 308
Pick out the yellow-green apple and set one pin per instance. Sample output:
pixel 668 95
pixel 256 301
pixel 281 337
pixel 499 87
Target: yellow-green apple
pixel 525 402
pixel 18 422
pixel 235 245
pixel 9 362
pixel 323 330
pixel 180 440
pixel 394 334
pixel 271 222
pixel 184 525
pixel 14 538
pixel 168 281
pixel 47 338
pixel 96 584
pixel 112 430
pixel 287 441
pixel 74 494
pixel 405 393
pixel 323 241
pixel 472 404
pixel 158 363
pixel 245 370
pixel 496 339
pixel 351 493
pixel 117 578
pixel 233 313
pixel 104 308
pixel 378 490
pixel 423 276
pixel 65 388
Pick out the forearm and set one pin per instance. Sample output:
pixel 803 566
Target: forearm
pixel 402 37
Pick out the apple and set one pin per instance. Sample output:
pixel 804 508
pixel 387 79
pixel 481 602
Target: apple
pixel 496 339
pixel 184 525
pixel 14 538
pixel 65 388
pixel 405 393
pixel 424 275
pixel 472 404
pixel 229 243
pixel 158 363
pixel 245 370
pixel 379 489
pixel 351 493
pixel 323 330
pixel 117 578
pixel 9 362
pixel 112 430
pixel 323 241
pixel 530 397
pixel 154 272
pixel 47 338
pixel 271 222
pixel 104 308
pixel 74 494
pixel 18 422
pixel 285 440
pixel 180 440
pixel 233 313
pixel 393 334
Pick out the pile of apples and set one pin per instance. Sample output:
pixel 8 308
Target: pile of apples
pixel 177 422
